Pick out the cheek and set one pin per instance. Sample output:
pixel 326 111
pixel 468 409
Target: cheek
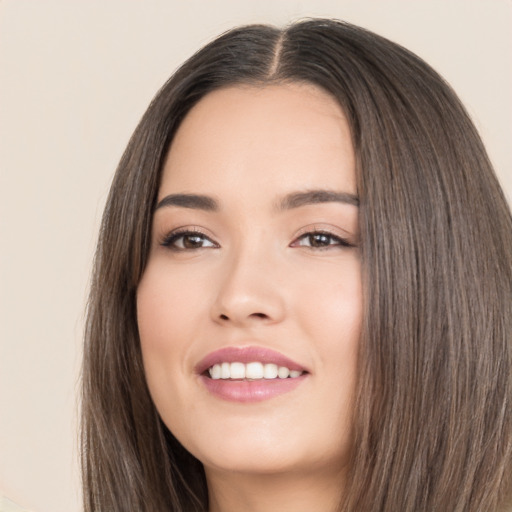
pixel 331 314
pixel 332 306
pixel 168 307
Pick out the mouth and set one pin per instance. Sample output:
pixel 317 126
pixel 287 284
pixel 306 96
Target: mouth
pixel 251 371
pixel 249 374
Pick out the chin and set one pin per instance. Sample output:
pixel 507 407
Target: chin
pixel 261 453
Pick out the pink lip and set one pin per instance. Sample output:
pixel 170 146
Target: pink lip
pixel 246 355
pixel 244 390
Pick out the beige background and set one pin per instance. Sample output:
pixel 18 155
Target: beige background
pixel 74 79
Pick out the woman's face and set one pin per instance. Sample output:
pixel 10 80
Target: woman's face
pixel 255 259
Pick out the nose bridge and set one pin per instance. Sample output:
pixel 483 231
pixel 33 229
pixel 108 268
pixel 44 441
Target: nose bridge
pixel 248 290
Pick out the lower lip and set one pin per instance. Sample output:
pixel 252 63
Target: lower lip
pixel 246 391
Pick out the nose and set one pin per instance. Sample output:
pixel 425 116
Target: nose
pixel 249 292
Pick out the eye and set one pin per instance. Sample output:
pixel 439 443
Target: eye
pixel 187 240
pixel 321 240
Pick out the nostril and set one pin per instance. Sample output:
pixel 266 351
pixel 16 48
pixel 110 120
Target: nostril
pixel 263 316
pixel 260 315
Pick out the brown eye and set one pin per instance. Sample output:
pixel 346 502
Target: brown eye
pixel 321 240
pixel 192 241
pixel 188 240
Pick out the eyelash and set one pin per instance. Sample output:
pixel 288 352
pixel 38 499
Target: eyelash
pixel 172 238
pixel 339 241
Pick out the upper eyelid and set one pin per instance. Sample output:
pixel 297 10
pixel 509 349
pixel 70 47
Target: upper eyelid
pixel 333 231
pixel 185 230
pixel 321 232
pixel 174 234
pixel 346 238
pixel 344 241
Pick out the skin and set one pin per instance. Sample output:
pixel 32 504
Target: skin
pixel 254 277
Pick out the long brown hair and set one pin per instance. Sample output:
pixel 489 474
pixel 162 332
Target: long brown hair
pixel 432 424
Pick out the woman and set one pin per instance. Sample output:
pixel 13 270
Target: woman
pixel 301 295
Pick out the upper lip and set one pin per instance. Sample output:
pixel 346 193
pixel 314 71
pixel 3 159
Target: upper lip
pixel 246 354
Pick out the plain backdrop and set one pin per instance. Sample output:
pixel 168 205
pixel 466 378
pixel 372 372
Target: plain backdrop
pixel 75 77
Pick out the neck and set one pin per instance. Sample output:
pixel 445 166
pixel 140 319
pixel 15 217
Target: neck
pixel 232 492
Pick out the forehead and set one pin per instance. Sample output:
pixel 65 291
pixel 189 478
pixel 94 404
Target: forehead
pixel 272 137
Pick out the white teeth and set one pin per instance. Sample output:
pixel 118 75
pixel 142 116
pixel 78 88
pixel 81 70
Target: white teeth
pixel 254 371
pixel 237 371
pixel 215 371
pixel 225 373
pixel 270 371
pixel 283 372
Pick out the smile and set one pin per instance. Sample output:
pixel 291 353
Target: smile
pixel 249 374
pixel 251 371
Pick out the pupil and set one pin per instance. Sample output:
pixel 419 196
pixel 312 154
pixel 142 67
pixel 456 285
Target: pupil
pixel 192 241
pixel 319 240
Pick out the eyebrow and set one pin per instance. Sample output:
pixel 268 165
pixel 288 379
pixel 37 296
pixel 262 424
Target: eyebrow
pixel 298 199
pixel 195 201
pixel 288 202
